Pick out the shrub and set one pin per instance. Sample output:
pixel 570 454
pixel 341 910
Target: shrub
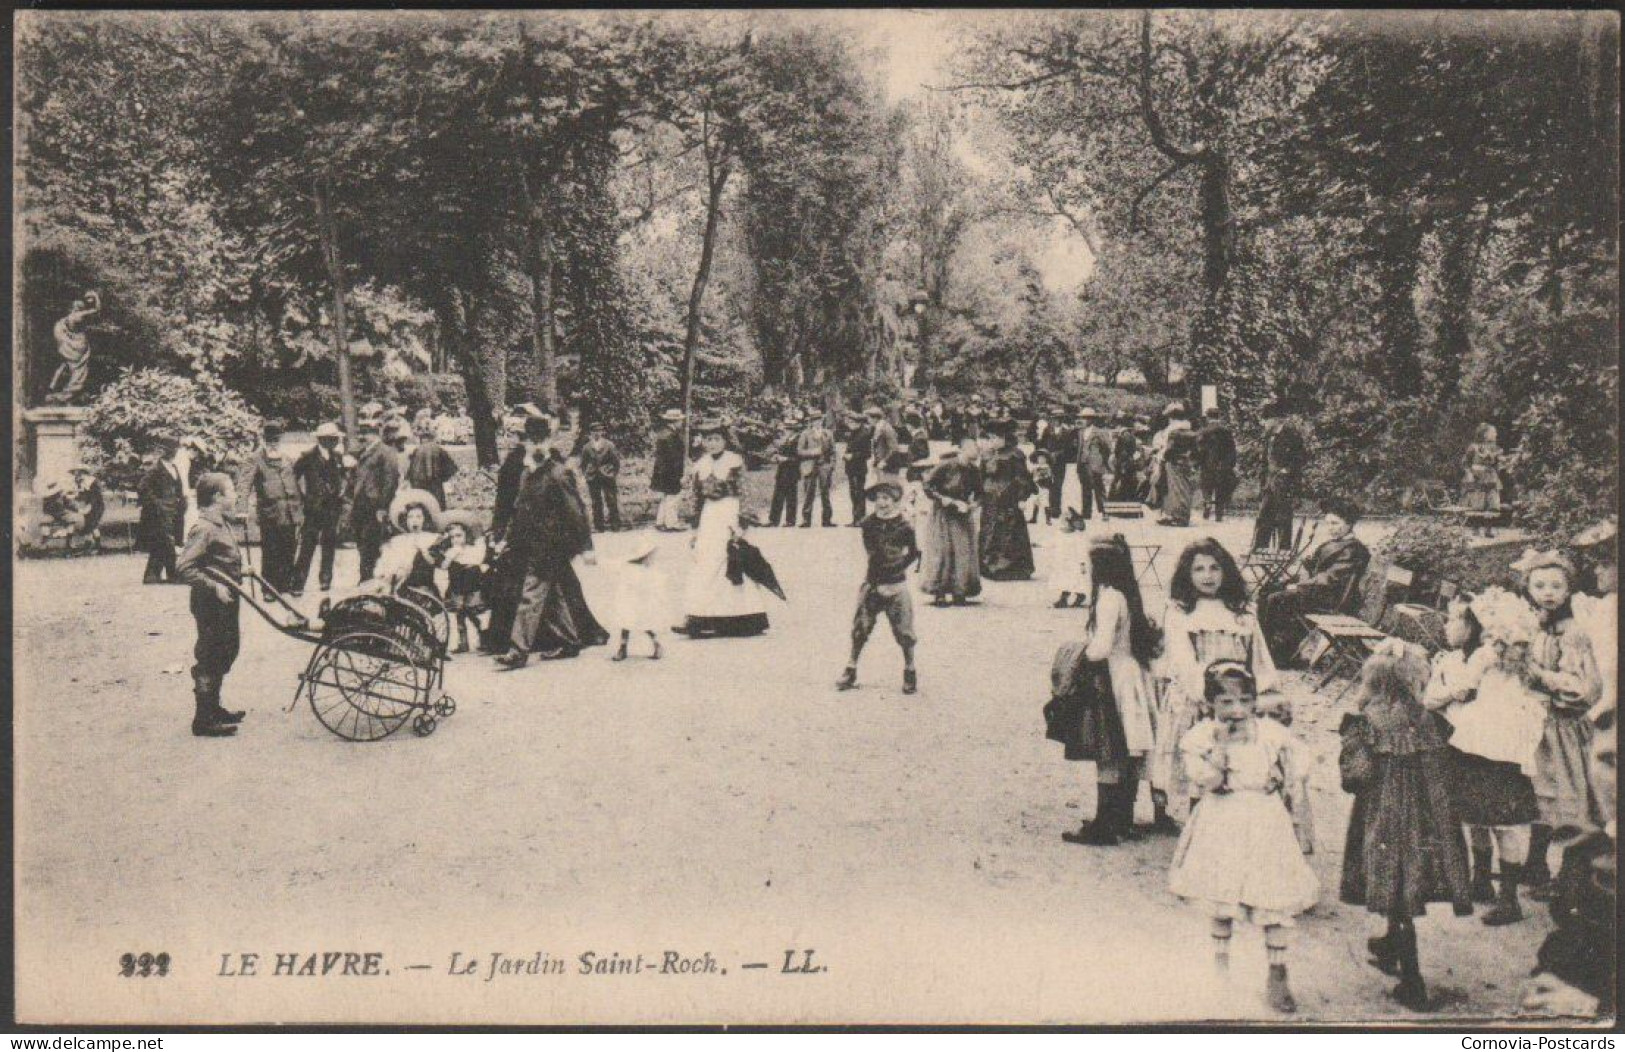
pixel 132 413
pixel 1429 547
pixel 439 392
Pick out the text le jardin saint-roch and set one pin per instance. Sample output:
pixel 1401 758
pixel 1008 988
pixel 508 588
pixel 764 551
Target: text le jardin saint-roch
pixel 496 964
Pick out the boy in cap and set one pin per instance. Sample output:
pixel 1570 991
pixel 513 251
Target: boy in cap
pixel 213 546
pixel 888 539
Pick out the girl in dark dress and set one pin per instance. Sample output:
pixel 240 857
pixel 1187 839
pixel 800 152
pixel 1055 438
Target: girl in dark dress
pixel 1006 549
pixel 1405 847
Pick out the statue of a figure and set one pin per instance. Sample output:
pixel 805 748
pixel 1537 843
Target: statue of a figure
pixel 73 346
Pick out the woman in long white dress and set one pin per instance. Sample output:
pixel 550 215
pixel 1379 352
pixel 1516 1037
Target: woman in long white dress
pixel 713 605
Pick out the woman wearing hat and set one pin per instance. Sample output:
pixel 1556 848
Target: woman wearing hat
pixel 713 605
pixel 950 572
pixel 1178 459
pixel 1006 549
pixel 406 560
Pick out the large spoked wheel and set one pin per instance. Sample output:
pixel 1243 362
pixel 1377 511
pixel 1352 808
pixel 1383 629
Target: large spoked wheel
pixel 434 612
pixel 363 685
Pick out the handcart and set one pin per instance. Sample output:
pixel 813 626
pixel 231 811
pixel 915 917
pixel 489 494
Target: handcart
pixel 377 661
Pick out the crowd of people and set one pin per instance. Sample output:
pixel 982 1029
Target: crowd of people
pixel 1467 766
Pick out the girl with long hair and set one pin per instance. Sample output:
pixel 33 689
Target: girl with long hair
pixel 1405 847
pixel 1120 636
pixel 1208 619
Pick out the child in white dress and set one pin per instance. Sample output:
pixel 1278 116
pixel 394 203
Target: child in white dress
pixel 1497 721
pixel 1069 573
pixel 640 598
pixel 1242 852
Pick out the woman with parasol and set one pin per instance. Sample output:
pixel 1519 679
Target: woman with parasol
pixel 716 604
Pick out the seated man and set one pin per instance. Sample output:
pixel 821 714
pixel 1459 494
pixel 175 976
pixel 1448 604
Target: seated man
pixel 1327 583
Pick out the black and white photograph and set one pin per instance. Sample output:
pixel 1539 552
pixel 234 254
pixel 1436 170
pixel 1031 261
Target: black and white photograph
pixel 815 518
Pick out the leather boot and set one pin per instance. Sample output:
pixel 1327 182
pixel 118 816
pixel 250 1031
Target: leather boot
pixel 1102 832
pixel 1127 793
pixel 204 722
pixel 1506 909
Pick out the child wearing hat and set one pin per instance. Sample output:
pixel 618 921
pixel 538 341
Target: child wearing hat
pixel 888 540
pixel 465 556
pixel 640 590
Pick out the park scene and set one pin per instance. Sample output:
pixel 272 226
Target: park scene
pixel 873 517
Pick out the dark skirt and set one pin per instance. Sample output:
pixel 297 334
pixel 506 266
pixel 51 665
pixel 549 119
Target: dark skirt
pixel 1490 793
pixel 1006 550
pixel 1405 846
pixel 1085 718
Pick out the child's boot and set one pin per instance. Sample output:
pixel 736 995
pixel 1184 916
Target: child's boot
pixel 205 722
pixel 654 641
pixel 620 651
pixel 848 680
pixel 911 681
pixel 1103 831
pixel 462 639
pixel 1063 601
pixel 1506 909
pixel 1279 991
pixel 1483 885
pixel 1411 992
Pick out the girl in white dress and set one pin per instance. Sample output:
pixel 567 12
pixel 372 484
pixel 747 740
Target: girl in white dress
pixel 714 605
pixel 1208 619
pixel 1497 719
pixel 1242 852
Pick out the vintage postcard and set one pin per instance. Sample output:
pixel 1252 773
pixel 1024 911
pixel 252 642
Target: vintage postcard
pixel 803 518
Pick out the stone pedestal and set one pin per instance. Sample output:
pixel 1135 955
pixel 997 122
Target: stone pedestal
pixel 53 439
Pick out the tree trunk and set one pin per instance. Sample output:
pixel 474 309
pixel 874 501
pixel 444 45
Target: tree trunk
pixel 1456 264
pixel 482 373
pixel 717 182
pixel 328 229
pixel 1208 352
pixel 540 267
pixel 1399 248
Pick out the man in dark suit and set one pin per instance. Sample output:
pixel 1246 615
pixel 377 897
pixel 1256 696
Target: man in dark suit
pixel 858 449
pixel 377 477
pixel 1281 470
pixel 548 530
pixel 666 477
pixel 320 473
pixel 430 467
pixel 163 514
pixel 601 465
pixel 786 472
pixel 1055 438
pixel 1328 583
pixel 1094 461
pixel 269 480
pixel 1215 463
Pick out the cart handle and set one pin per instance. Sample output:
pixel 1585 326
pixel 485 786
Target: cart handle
pixel 268 604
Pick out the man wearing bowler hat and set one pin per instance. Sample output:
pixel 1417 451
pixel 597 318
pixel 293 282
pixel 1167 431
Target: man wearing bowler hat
pixel 320 474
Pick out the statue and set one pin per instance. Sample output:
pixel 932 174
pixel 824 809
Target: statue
pixel 73 346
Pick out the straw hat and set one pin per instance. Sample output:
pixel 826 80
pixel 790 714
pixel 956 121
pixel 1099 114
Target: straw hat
pixel 408 497
pixel 328 430
pixel 672 416
pixel 1601 533
pixel 468 520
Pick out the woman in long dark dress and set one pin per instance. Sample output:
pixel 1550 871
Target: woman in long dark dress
pixel 950 572
pixel 1006 550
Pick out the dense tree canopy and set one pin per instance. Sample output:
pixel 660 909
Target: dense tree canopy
pixel 1404 222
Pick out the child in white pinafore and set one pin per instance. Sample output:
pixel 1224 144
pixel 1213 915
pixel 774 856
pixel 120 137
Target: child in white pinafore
pixel 640 598
pixel 1242 852
pixel 1069 570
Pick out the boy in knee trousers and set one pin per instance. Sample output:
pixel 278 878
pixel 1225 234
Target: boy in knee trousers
pixel 212 545
pixel 888 538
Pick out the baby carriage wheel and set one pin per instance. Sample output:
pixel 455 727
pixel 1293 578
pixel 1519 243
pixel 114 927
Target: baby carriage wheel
pixel 445 706
pixel 363 685
pixel 423 724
